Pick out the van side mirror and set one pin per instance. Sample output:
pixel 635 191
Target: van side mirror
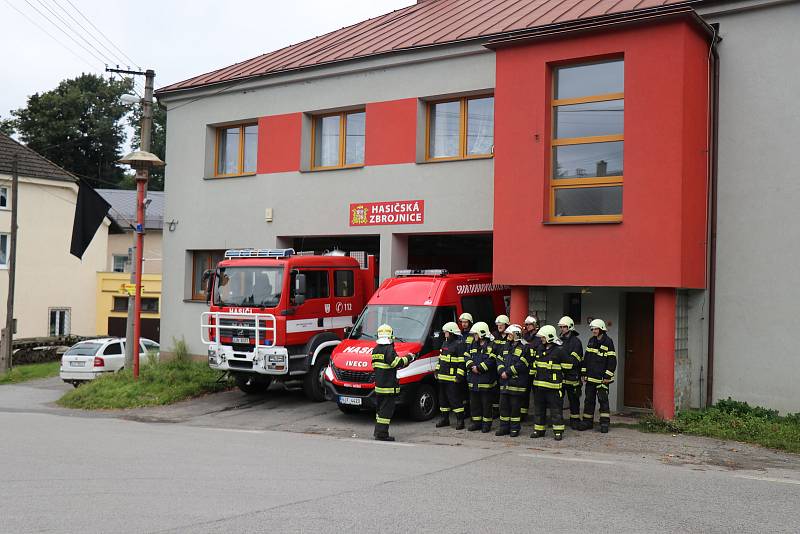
pixel 299 289
pixel 208 283
pixel 347 330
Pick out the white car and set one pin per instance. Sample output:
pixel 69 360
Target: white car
pixel 89 359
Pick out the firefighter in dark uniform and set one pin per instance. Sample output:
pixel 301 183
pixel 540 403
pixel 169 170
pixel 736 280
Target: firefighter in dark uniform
pixel 513 370
pixel 385 363
pixel 597 372
pixel 465 323
pixel 498 345
pixel 529 337
pixel 573 360
pixel 547 381
pixel 451 376
pixel 481 368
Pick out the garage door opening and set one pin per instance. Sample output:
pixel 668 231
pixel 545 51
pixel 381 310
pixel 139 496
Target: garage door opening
pixel 458 253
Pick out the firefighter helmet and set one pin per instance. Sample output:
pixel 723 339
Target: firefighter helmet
pixel 567 321
pixel 515 330
pixel 480 328
pixel 465 317
pixel 548 332
pixel 531 320
pixel 598 323
pixel 502 319
pixel 385 334
pixel 452 328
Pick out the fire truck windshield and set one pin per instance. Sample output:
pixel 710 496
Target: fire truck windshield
pixel 410 323
pixel 259 287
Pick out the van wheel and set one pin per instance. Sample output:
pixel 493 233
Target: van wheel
pixel 423 403
pixel 314 381
pixel 346 408
pixel 252 384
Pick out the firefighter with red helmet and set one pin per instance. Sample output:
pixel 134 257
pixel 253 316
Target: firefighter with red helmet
pixel 481 366
pixel 573 359
pixel 547 381
pixel 513 369
pixel 597 372
pixel 385 363
pixel 450 375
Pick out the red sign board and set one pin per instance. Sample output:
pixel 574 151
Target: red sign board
pixel 383 213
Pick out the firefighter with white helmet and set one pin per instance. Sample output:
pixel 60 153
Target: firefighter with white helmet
pixel 547 379
pixel 450 375
pixel 597 373
pixel 513 369
pixel 573 358
pixel 385 363
pixel 498 346
pixel 481 368
pixel 530 327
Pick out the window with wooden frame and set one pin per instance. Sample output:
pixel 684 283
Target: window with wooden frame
pixel 236 149
pixel 202 260
pixel 460 129
pixel 338 140
pixel 586 164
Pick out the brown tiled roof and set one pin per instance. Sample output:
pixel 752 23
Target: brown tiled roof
pixel 30 163
pixel 431 22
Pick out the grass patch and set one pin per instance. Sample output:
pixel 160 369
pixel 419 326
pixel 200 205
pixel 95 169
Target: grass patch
pixel 31 371
pixel 158 384
pixel 733 420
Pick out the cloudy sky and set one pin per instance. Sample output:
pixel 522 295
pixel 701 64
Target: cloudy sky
pixel 176 38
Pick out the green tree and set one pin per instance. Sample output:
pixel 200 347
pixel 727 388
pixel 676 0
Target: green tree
pixel 158 142
pixel 79 126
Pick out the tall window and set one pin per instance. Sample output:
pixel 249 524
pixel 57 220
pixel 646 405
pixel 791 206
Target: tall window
pixel 236 150
pixel 338 140
pixel 460 129
pixel 3 197
pixel 202 260
pixel 120 262
pixel 587 146
pixel 59 319
pixel 4 242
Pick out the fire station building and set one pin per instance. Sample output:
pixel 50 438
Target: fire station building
pixel 623 160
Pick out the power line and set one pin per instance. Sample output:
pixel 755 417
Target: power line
pixel 70 50
pixel 89 33
pixel 104 35
pixel 71 29
pixel 59 28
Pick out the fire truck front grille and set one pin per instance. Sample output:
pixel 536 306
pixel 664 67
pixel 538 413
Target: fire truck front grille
pixel 242 348
pixel 239 364
pixel 358 377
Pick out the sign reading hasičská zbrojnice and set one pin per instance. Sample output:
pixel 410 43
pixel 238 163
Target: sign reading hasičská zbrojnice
pixel 382 213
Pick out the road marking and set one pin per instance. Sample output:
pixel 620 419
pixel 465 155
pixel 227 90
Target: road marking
pixel 568 459
pixel 377 442
pixel 768 479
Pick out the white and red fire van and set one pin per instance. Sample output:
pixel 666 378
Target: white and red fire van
pixel 276 315
pixel 416 304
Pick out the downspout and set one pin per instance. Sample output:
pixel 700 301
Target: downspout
pixel 712 269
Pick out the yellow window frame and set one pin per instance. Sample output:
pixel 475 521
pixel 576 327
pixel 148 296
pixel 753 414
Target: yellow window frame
pixel 580 183
pixel 342 141
pixel 462 129
pixel 240 166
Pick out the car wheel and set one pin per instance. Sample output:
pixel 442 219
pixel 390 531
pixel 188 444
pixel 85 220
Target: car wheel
pixel 423 403
pixel 252 384
pixel 314 381
pixel 76 383
pixel 346 408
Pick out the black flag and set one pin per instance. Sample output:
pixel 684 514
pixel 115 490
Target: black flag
pixel 90 211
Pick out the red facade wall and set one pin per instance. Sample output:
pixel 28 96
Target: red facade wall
pixel 391 132
pixel 279 143
pixel 661 239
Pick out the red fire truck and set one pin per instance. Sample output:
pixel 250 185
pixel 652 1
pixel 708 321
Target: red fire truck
pixel 276 315
pixel 416 304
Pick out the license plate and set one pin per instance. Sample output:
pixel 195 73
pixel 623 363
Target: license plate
pixel 77 364
pixel 354 401
pixel 241 340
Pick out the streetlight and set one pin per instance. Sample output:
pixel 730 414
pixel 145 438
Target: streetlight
pixel 141 162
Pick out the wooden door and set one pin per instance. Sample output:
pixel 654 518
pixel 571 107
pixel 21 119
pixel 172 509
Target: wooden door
pixel 639 350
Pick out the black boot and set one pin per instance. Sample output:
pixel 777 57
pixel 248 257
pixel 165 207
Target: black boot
pixel 604 428
pixel 558 436
pixel 486 428
pixel 459 423
pixel 586 424
pixel 502 431
pixel 538 434
pixel 473 426
pixel 384 437
pixel 444 420
pixel 575 424
pixel 514 433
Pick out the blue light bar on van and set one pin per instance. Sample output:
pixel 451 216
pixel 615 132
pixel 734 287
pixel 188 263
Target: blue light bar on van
pixel 421 272
pixel 259 253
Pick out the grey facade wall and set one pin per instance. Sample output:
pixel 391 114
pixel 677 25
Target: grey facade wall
pixel 759 191
pixel 230 212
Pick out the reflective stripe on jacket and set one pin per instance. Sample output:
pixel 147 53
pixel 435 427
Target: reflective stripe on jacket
pixel 385 363
pixel 573 358
pixel 546 369
pixel 450 367
pixel 599 360
pixel 481 357
pixel 515 361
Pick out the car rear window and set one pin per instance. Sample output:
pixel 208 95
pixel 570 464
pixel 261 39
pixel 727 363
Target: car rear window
pixel 83 349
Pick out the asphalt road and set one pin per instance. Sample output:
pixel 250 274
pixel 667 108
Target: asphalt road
pixel 227 463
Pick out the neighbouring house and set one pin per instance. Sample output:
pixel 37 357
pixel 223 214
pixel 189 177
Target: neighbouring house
pixel 631 161
pixel 112 297
pixel 53 288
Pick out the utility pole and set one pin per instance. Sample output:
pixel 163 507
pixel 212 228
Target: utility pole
pixel 145 135
pixel 8 331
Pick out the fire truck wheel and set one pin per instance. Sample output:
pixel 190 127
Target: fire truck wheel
pixel 422 404
pixel 252 384
pixel 314 381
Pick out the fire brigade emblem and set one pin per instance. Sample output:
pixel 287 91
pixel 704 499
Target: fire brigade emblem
pixel 359 215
